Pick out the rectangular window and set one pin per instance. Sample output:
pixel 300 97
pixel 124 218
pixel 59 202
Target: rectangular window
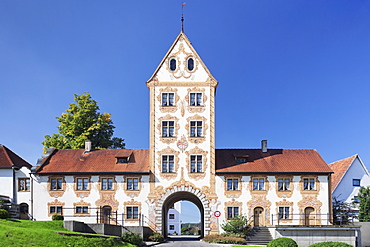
pixel 107 183
pixel 355 199
pixel 241 160
pixel 233 184
pixel 172 227
pixel 168 128
pixel 56 210
pixel 172 216
pixel 309 184
pixel 56 184
pixel 132 183
pixel 132 212
pixel 196 129
pixel 168 99
pixel 168 163
pixel 122 160
pixel 258 183
pixel 283 184
pixel 82 209
pixel 195 99
pixel 232 212
pixel 356 182
pixel 82 184
pixel 195 163
pixel 283 212
pixel 23 184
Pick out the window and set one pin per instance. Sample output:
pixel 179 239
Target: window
pixel 23 184
pixel 233 184
pixel 172 227
pixel 82 209
pixel 82 184
pixel 241 160
pixel 132 183
pixel 172 216
pixel 283 184
pixel 107 183
pixel 168 128
pixel 195 163
pixel 258 183
pixel 283 212
pixel 196 129
pixel 173 64
pixel 168 99
pixel 195 99
pixel 190 63
pixel 168 163
pixel 132 212
pixel 309 184
pixel 232 212
pixel 56 184
pixel 356 182
pixel 56 210
pixel 122 160
pixel 355 199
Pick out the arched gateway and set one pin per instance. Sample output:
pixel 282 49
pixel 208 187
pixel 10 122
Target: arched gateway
pixel 178 194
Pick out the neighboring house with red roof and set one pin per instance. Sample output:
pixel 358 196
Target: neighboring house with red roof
pixel 15 179
pixel 272 186
pixel 349 175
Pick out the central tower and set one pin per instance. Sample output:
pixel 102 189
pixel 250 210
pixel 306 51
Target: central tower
pixel 182 139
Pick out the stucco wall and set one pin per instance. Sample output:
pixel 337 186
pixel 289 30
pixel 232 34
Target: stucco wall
pixel 6 182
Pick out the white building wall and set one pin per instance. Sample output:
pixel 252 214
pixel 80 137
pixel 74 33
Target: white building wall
pixel 23 196
pixel 6 182
pixel 175 222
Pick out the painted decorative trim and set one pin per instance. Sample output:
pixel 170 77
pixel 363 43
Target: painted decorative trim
pixel 170 109
pixel 196 109
pixel 132 193
pixel 196 63
pixel 316 191
pixel 196 117
pixel 132 203
pixel 259 192
pixel 168 151
pixel 114 184
pixel 310 201
pixel 233 193
pixel 107 199
pixel 260 201
pixel 56 202
pixel 285 203
pixel 82 203
pixel 284 193
pixel 197 151
pixel 82 193
pixel 57 193
pixel 233 203
pixel 168 117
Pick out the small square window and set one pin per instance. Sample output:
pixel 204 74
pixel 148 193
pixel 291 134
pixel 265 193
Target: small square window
pixel 23 184
pixel 172 216
pixel 356 182
pixel 172 227
pixel 241 160
pixel 82 209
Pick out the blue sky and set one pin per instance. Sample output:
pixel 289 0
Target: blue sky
pixel 296 73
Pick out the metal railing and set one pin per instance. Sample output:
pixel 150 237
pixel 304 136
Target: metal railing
pixel 308 220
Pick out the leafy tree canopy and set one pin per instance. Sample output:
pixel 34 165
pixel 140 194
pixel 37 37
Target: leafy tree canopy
pixel 364 197
pixel 83 121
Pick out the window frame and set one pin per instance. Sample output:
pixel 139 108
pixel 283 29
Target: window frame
pixel 132 213
pixel 82 209
pixel 234 181
pixel 169 158
pixel 56 211
pixel 308 184
pixel 167 102
pixel 84 179
pixel 231 212
pixel 168 129
pixel 133 187
pixel 171 216
pixel 122 160
pixel 187 64
pixel 284 184
pixel 196 163
pixel 284 213
pixel 356 182
pixel 102 182
pixel 196 99
pixel 170 64
pixel 196 129
pixel 258 182
pixel 26 184
pixel 58 181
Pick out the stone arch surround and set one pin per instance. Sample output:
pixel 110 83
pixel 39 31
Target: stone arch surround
pixel 183 193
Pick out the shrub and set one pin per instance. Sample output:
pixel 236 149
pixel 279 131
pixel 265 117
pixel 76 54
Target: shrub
pixel 331 244
pixel 57 217
pixel 237 225
pixel 133 238
pixel 286 242
pixel 224 239
pixel 156 237
pixel 4 214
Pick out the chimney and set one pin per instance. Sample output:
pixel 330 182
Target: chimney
pixel 264 146
pixel 87 146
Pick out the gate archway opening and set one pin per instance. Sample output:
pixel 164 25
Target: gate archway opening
pixel 176 197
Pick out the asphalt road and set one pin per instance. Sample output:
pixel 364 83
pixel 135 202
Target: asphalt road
pixel 188 241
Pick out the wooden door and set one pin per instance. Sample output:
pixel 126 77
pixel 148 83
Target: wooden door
pixel 106 214
pixel 259 216
pixel 24 211
pixel 309 216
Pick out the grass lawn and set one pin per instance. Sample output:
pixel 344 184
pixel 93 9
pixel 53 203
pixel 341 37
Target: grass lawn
pixel 42 233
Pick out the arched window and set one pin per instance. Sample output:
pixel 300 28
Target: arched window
pixel 190 64
pixel 173 64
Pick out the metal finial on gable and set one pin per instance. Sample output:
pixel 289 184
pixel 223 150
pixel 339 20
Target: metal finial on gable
pixel 182 17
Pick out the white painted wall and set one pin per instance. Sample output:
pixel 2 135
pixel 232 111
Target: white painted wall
pixel 6 182
pixel 176 221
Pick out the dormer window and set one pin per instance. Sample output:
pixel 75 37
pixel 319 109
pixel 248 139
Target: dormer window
pixel 190 64
pixel 122 160
pixel 173 64
pixel 241 160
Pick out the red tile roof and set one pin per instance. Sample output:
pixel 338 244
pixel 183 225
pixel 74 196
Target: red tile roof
pixel 340 167
pixel 96 161
pixel 274 161
pixel 8 159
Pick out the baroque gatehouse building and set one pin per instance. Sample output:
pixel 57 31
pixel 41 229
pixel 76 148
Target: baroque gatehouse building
pixel 140 186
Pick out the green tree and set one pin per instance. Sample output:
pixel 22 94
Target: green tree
pixel 364 208
pixel 83 121
pixel 237 225
pixel 342 212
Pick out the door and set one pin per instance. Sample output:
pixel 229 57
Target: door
pixel 24 211
pixel 259 216
pixel 106 214
pixel 309 216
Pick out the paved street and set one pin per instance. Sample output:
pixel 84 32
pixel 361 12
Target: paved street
pixel 188 241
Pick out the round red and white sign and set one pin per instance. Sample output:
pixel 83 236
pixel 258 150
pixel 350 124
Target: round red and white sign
pixel 217 213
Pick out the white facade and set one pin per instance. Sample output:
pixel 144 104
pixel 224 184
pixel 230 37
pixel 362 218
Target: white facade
pixel 174 223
